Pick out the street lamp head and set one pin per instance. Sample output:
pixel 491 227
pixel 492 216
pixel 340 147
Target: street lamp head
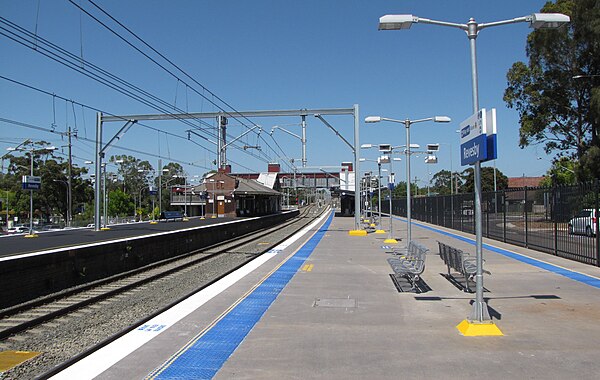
pixel 441 119
pixel 548 20
pixel 384 159
pixel 362 159
pixel 431 159
pixel 385 148
pixel 366 146
pixel 433 147
pixel 372 119
pixel 396 22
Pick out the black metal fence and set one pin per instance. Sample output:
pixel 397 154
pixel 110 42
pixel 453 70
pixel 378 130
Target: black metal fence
pixel 532 217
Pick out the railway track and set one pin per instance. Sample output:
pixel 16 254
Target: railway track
pixel 25 316
pixel 30 326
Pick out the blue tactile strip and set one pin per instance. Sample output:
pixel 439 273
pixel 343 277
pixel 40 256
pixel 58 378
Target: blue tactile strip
pixel 206 354
pixel 588 280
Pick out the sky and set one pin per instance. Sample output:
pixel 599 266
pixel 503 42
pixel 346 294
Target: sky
pixel 264 55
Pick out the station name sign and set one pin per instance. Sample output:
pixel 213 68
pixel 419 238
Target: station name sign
pixel 478 138
pixel 30 182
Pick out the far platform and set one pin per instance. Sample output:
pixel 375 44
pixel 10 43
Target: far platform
pixel 11 245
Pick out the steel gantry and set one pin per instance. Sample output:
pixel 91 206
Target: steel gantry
pixel 130 119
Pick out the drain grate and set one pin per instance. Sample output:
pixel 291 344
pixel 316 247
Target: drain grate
pixel 344 303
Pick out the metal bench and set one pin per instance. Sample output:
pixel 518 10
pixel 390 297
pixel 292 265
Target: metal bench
pixel 460 261
pixel 409 263
pixel 170 215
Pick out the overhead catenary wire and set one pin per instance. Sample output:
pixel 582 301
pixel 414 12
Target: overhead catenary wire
pixel 66 58
pixel 204 89
pixel 99 110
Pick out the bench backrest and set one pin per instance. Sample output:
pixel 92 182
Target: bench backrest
pixel 171 215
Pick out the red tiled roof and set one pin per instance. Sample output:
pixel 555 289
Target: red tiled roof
pixel 516 182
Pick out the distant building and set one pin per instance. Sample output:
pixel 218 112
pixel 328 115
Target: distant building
pixel 518 182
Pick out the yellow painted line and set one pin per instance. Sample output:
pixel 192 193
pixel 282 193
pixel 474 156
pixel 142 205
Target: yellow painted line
pixel 307 268
pixel 264 243
pixel 11 359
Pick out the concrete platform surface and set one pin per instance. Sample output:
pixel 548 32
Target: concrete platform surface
pixel 341 317
pixel 551 324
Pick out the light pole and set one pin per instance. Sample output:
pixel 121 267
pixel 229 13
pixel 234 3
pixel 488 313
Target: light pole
pixel 379 162
pixel 407 123
pixel 31 151
pixel 480 311
pixel 105 210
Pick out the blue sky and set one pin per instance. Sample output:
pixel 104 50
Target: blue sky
pixel 267 55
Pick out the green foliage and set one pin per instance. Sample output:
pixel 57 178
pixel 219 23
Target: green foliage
pixel 119 203
pixel 562 172
pixel 135 173
pixel 441 182
pixel 487 180
pixel 52 198
pixel 556 110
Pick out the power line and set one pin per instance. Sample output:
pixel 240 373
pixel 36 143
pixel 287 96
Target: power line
pixel 204 88
pixel 68 59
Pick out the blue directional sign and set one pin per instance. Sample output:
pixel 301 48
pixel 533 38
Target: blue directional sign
pixel 473 150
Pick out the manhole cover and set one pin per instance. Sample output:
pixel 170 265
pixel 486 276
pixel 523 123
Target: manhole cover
pixel 335 302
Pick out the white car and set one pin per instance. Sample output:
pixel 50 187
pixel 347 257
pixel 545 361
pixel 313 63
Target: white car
pixel 18 230
pixel 584 222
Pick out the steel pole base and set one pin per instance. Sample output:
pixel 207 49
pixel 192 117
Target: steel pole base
pixel 474 328
pixel 357 232
pixel 480 312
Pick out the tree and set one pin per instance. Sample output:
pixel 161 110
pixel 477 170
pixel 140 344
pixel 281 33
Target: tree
pixel 441 182
pixel 119 203
pixel 134 172
pixel 555 109
pixel 487 179
pixel 562 172
pixel 52 197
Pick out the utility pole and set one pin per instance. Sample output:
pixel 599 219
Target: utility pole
pixel 221 142
pixel 69 180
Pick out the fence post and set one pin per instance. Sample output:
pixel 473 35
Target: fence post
pixel 597 222
pixel 505 210
pixel 526 222
pixel 554 216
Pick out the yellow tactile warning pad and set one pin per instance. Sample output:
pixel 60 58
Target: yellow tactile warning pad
pixel 10 359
